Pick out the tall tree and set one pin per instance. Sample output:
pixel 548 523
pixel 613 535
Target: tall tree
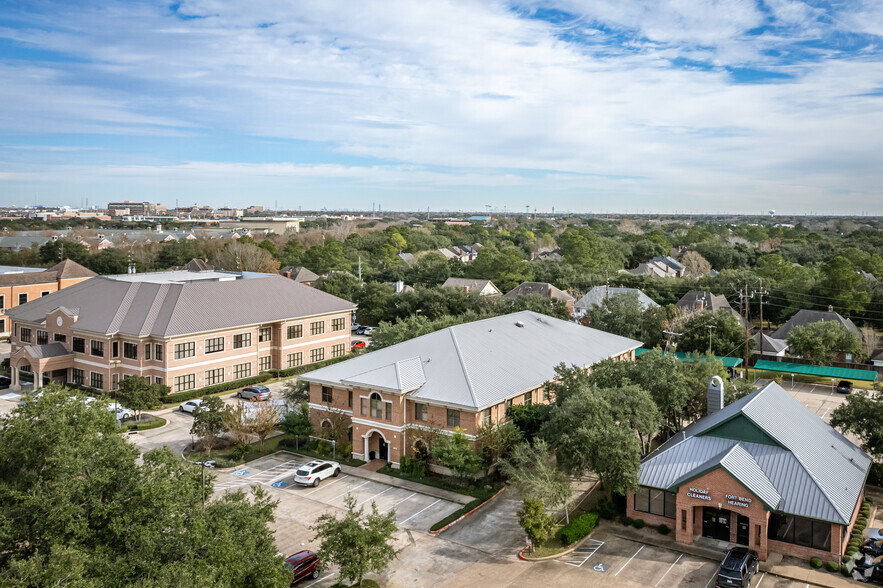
pixel 695 265
pixel 455 453
pixel 356 543
pixel 822 341
pixel 662 375
pixel 843 285
pixel 621 315
pixel 534 471
pixel 727 336
pixel 76 509
pixel 139 394
pixel 209 421
pixel 239 256
pixel 297 423
pixel 862 416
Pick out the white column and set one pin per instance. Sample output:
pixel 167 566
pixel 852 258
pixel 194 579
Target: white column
pixel 15 386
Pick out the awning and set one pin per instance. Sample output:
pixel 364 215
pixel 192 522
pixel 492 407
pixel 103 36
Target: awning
pixel 821 371
pixel 729 362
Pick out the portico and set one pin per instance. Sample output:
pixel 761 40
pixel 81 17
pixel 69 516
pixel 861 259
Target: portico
pixel 47 362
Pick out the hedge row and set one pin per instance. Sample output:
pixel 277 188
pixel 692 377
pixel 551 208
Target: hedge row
pixel 232 385
pixel 579 528
pixel 856 538
pixel 485 495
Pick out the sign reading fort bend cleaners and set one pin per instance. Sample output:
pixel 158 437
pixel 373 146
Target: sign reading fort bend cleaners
pixel 699 493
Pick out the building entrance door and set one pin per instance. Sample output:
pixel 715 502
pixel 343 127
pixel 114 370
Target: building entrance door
pixel 716 523
pixel 742 527
pixel 384 449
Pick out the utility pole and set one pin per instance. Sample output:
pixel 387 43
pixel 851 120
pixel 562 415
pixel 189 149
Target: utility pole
pixel 607 285
pixel 746 328
pixel 671 335
pixel 710 330
pixel 760 336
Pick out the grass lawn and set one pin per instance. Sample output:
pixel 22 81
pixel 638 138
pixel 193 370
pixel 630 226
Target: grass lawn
pixel 224 457
pixel 148 421
pixel 786 379
pixel 552 546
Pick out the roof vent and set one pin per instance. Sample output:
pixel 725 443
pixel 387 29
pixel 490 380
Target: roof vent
pixel 519 324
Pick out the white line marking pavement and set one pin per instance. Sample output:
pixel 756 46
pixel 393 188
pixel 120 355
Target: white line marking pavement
pixel 401 501
pixel 418 512
pixel 375 496
pixel 711 580
pixel 629 561
pixel 761 580
pixel 350 490
pixel 317 488
pixel 597 547
pixel 320 579
pixel 668 570
pixel 826 412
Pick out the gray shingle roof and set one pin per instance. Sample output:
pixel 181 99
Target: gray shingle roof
pixel 816 471
pixel 805 317
pixel 107 305
pixel 479 364
pixel 542 288
pixel 471 285
pixel 596 296
pixel 769 343
pixel 46 351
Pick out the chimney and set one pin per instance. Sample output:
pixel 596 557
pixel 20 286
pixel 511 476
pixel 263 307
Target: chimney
pixel 287 274
pixel 159 228
pixel 830 308
pixel 715 395
pixel 700 304
pixel 400 285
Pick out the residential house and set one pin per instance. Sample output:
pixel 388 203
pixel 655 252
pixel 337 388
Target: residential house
pixel 24 287
pixel 299 274
pixel 483 287
pixel 806 317
pixel 543 289
pixel 461 377
pixel 659 267
pixel 183 329
pixel 768 346
pixel 696 301
pixel 597 295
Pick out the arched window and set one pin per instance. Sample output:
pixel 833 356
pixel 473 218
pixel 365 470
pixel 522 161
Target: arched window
pixel 376 406
pixel 326 424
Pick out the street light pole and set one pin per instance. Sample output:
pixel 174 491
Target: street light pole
pixel 710 327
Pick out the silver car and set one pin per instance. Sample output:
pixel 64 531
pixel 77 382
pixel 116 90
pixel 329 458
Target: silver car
pixel 254 393
pixel 190 405
pixel 310 474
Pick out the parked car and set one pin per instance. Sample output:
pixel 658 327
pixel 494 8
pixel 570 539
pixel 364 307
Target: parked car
pixel 121 413
pixel 254 393
pixel 844 387
pixel 869 568
pixel 303 564
pixel 737 569
pixel 190 405
pixel 361 330
pixel 5 382
pixel 368 330
pixel 872 547
pixel 357 345
pixel 355 326
pixel 310 474
pixel 873 533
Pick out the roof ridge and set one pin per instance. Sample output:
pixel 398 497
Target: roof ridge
pixel 463 366
pixel 124 307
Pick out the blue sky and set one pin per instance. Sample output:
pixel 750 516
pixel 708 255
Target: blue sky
pixel 584 105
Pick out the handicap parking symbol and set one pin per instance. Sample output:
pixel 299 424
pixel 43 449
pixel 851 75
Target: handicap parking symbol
pixel 279 484
pixel 240 473
pixel 602 568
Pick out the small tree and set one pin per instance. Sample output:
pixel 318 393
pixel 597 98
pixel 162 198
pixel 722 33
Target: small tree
pixel 208 421
pixel 534 472
pixel 496 441
pixel 297 423
pixel 357 544
pixel 237 425
pixel 537 524
pixel 139 394
pixel 264 418
pixel 870 340
pixel 295 392
pixel 862 415
pixel 456 453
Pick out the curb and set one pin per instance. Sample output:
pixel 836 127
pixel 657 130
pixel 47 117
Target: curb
pixel 463 516
pixel 574 547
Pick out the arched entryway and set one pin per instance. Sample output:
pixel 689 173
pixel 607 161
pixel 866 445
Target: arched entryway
pixel 376 445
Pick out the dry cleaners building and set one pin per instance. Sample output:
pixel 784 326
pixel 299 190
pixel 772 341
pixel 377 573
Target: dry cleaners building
pixel 764 472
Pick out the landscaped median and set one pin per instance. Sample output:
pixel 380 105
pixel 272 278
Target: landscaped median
pixel 155 422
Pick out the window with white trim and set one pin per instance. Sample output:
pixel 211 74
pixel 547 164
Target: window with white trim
pixel 185 382
pixel 376 406
pixel 42 337
pixel 130 350
pixel 214 345
pixel 265 334
pixel 453 418
pixel 338 350
pixel 317 327
pixel 295 331
pixel 185 350
pixel 241 370
pixel 265 363
pixel 96 380
pixel 421 412
pixel 338 324
pixel 294 359
pixel 78 376
pixel 241 340
pixel 24 334
pixel 215 376
pixel 317 355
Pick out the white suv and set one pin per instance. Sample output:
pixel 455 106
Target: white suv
pixel 310 474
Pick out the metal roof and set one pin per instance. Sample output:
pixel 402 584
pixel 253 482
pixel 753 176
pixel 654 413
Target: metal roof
pixel 815 470
pixel 822 371
pixel 688 357
pixel 596 296
pixel 482 363
pixel 108 305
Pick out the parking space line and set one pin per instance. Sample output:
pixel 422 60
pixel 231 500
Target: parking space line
pixel 762 576
pixel 630 560
pixel 402 500
pixel 669 569
pixel 317 488
pixel 418 512
pixel 711 580
pixel 349 490
pixel 375 496
pixel 320 579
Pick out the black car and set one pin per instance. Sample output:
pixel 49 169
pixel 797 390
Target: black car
pixel 737 569
pixel 844 387
pixel 872 547
pixel 5 382
pixel 869 568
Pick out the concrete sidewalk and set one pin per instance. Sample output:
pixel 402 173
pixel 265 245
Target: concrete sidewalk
pixel 798 572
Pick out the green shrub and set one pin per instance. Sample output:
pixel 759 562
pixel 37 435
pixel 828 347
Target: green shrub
pixel 627 521
pixel 663 529
pixel 200 392
pixel 846 569
pixel 239 450
pixel 606 509
pixel 815 562
pixel 579 528
pixel 638 523
pixel 413 467
pixel 832 566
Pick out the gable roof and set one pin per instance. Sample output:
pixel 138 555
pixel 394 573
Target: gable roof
pixel 805 317
pixel 769 343
pixel 596 296
pixel 165 309
pixel 470 285
pixel 71 269
pixel 815 470
pixel 67 269
pixel 544 289
pixel 299 273
pixel 479 364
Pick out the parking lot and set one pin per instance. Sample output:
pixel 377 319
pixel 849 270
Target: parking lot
pixel 414 510
pixel 627 562
pixel 821 399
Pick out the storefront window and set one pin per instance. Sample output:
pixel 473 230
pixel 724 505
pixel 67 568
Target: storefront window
pixel 655 501
pixel 800 531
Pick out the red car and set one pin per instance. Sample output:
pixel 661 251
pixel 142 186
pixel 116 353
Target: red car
pixel 357 345
pixel 303 564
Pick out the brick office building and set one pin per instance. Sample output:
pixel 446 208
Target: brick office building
pixel 460 377
pixel 23 287
pixel 764 472
pixel 183 329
